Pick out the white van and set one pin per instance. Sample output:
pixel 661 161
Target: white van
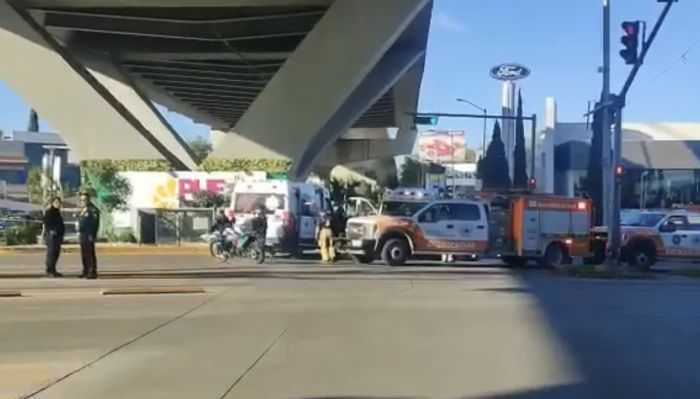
pixel 293 210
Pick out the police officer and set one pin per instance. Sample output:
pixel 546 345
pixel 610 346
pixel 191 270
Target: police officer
pixel 324 236
pixel 259 224
pixel 54 230
pixel 88 225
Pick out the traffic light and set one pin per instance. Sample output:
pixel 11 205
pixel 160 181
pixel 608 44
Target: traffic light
pixel 631 42
pixel 619 171
pixel 430 120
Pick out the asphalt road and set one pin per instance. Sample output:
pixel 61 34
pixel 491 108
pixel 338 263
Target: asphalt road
pixel 295 330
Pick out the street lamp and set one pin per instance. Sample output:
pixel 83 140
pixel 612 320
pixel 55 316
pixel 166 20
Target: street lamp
pixel 483 145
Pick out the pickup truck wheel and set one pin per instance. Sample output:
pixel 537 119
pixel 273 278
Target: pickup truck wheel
pixel 555 255
pixel 395 252
pixel 641 257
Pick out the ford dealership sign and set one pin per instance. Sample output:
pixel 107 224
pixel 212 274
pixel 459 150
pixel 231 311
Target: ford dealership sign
pixel 509 72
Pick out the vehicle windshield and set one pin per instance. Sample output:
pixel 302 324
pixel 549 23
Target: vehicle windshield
pixel 401 208
pixel 641 219
pixel 248 202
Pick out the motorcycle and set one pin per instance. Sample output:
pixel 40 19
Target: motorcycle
pixel 229 243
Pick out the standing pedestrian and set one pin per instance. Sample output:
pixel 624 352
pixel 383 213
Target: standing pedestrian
pixel 88 225
pixel 54 230
pixel 324 236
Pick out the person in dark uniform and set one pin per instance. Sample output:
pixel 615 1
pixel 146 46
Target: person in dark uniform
pixel 259 224
pixel 54 230
pixel 88 225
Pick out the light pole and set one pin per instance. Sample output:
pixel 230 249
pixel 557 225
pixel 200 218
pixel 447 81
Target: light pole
pixel 483 138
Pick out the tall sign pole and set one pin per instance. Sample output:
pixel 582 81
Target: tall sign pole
pixel 605 119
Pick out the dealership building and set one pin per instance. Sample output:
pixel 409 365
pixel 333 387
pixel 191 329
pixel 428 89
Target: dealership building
pixel 661 161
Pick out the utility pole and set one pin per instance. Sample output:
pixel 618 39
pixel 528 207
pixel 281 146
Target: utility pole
pixel 614 235
pixel 605 122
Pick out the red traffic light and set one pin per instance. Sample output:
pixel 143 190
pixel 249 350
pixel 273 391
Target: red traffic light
pixel 630 41
pixel 630 28
pixel 619 171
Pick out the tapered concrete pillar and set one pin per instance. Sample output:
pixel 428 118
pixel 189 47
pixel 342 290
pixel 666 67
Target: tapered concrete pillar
pixel 350 151
pixel 98 115
pixel 340 69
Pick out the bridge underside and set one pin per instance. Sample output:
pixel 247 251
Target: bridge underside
pixel 311 81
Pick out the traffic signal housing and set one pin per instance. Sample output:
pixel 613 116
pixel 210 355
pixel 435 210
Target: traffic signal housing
pixel 430 120
pixel 630 41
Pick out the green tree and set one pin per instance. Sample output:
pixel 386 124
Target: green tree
pixel 519 160
pixel 469 155
pixel 109 189
pixel 35 191
pixel 200 147
pixel 205 199
pixel 33 123
pixel 493 168
pixel 411 173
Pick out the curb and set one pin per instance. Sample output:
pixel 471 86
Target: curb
pixel 10 294
pixel 114 250
pixel 154 290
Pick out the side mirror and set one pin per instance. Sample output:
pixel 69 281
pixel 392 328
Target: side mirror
pixel 667 228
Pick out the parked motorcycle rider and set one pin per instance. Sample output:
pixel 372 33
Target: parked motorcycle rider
pixel 222 222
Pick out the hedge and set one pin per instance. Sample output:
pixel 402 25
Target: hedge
pixel 246 165
pixel 130 165
pixel 209 165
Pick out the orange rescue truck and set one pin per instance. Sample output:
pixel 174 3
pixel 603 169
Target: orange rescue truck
pixel 516 227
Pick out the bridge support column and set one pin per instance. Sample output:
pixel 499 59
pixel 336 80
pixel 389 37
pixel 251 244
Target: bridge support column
pixel 348 61
pixel 99 115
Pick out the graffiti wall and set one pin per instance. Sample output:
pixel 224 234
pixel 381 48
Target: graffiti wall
pixel 165 190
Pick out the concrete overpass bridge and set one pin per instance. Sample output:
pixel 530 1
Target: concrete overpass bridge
pixel 317 82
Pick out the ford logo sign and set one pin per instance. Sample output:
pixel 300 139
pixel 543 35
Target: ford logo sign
pixel 509 72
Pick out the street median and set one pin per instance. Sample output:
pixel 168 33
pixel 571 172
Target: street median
pixel 114 249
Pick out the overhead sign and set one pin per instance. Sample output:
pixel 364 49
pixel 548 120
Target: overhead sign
pixel 509 72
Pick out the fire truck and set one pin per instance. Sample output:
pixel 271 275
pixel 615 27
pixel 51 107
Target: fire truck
pixel 516 227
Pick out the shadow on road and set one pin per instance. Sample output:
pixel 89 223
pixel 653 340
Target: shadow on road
pixel 627 339
pixel 330 273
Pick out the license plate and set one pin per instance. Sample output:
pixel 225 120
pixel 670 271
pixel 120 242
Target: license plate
pixel 356 243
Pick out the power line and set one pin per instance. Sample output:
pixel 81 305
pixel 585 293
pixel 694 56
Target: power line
pixel 682 58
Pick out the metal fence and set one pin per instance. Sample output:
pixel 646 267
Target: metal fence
pixel 174 226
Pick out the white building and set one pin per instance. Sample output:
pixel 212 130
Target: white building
pixel 660 159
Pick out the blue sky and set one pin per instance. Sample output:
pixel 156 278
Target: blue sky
pixel 559 40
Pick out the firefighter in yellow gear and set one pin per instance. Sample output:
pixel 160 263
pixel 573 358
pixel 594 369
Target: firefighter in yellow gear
pixel 324 237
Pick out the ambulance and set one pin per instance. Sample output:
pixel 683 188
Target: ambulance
pixel 649 236
pixel 513 227
pixel 292 210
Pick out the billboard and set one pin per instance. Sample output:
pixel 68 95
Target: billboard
pixel 442 146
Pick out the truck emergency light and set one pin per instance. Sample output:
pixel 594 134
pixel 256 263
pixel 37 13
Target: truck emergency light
pixel 581 206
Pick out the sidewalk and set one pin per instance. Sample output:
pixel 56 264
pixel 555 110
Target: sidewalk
pixel 114 249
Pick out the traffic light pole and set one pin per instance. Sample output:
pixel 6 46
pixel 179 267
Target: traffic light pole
pixel 614 233
pixel 605 122
pixel 614 236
